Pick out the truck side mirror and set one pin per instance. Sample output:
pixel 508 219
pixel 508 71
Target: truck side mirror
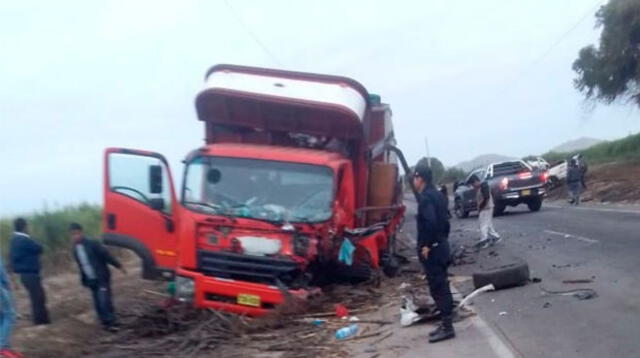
pixel 155 179
pixel 156 204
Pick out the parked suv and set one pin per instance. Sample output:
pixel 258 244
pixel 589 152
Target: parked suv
pixel 512 183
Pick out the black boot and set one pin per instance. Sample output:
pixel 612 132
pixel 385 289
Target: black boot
pixel 446 331
pixel 435 331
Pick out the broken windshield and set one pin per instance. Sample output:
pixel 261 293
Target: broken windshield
pixel 259 189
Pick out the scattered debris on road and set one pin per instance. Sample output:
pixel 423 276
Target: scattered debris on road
pixel 473 294
pixel 581 293
pixel 586 280
pixel 460 255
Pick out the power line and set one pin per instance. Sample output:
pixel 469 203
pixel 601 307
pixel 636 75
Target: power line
pixel 554 45
pixel 255 38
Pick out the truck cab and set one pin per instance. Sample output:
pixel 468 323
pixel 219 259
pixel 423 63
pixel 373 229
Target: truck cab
pixel 294 167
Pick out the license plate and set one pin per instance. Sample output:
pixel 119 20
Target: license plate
pixel 249 300
pixel 526 192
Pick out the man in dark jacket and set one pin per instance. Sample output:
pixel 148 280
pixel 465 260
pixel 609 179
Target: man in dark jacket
pixel 433 247
pixel 93 260
pixel 24 254
pixel 575 182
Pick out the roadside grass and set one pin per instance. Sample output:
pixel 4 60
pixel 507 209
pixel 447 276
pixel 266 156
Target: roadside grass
pixel 50 228
pixel 621 150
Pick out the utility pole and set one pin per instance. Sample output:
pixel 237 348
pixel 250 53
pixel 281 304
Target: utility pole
pixel 426 145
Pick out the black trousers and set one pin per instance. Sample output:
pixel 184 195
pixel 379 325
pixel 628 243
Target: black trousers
pixel 33 284
pixel 103 303
pixel 435 267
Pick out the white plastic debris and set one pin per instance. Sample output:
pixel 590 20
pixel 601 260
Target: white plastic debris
pixel 407 302
pixel 473 294
pixel 408 317
pixel 503 313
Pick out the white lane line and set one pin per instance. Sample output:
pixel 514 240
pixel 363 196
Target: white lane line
pixel 497 345
pixel 606 210
pixel 570 236
pixel 493 337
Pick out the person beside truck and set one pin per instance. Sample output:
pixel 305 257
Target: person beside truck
pixel 433 247
pixel 24 256
pixel 93 260
pixel 7 315
pixel 488 235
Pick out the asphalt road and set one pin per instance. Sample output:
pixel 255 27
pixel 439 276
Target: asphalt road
pixel 563 243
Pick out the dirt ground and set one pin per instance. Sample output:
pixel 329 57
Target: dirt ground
pixel 74 328
pixel 75 333
pixel 608 183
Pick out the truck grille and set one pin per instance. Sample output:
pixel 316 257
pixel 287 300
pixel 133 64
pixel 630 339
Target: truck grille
pixel 262 269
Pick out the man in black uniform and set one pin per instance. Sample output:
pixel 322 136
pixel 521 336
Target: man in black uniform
pixel 433 247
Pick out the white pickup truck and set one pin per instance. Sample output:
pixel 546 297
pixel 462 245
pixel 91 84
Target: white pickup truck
pixel 557 173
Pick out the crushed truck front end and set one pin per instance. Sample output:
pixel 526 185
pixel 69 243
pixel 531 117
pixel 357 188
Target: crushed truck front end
pixel 259 223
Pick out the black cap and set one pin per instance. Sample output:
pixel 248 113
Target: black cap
pixel 423 170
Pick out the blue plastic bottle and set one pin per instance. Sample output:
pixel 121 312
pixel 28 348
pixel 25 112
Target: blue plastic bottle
pixel 347 332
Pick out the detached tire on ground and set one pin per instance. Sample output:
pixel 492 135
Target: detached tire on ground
pixel 516 274
pixel 535 204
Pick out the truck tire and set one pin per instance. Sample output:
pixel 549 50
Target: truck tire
pixel 516 274
pixel 535 204
pixel 499 209
pixel 390 264
pixel 459 210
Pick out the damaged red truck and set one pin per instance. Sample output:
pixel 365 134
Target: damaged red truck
pixel 294 164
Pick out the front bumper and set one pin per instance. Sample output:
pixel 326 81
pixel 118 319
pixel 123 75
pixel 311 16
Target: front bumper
pixel 223 294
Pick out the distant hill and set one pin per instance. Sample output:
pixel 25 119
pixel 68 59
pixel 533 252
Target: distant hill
pixel 481 161
pixel 626 149
pixel 576 144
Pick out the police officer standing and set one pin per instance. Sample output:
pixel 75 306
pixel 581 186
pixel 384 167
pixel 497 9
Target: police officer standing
pixel 433 247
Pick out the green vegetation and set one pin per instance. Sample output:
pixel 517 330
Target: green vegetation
pixel 621 150
pixel 609 72
pixel 50 227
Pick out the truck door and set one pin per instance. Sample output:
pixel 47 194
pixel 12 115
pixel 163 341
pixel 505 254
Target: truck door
pixel 140 209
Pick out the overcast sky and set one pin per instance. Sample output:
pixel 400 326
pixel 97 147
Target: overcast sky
pixel 473 76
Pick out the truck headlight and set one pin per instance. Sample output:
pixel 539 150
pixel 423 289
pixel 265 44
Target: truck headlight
pixel 185 289
pixel 300 245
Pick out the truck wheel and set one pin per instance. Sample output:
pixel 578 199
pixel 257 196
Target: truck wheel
pixel 390 264
pixel 535 204
pixel 499 209
pixel 459 210
pixel 516 274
